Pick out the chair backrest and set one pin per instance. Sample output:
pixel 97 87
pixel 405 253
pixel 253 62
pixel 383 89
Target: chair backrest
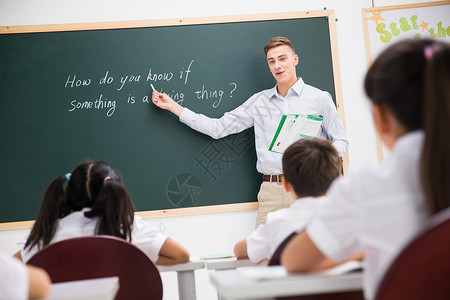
pixel 102 256
pixel 422 269
pixel 275 259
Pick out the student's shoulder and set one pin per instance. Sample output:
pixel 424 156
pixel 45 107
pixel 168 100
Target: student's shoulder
pixel 362 183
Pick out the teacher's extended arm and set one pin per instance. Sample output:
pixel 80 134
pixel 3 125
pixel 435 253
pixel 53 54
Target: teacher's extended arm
pixel 231 122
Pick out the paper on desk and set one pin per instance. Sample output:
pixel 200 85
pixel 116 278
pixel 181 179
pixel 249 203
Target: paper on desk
pixel 292 128
pixel 346 267
pixel 274 272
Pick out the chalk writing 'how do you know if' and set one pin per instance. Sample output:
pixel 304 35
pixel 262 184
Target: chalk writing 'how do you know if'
pixel 103 100
pixel 74 82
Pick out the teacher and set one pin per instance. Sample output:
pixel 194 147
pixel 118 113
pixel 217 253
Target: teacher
pixel 263 111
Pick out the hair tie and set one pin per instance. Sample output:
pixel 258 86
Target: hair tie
pixel 68 175
pixel 106 178
pixel 428 52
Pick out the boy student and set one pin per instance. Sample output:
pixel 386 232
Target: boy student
pixel 263 111
pixel 309 167
pixel 379 210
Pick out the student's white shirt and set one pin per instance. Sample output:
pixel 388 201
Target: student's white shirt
pixel 263 111
pixel 376 210
pixel 13 279
pixel 147 238
pixel 265 239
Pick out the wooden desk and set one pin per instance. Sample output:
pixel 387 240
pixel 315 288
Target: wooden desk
pixel 186 278
pixel 98 288
pixel 234 284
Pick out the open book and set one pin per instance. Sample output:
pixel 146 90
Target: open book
pixel 292 128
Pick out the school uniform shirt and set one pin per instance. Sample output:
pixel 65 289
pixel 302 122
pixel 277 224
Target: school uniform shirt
pixel 377 210
pixel 263 111
pixel 263 242
pixel 13 279
pixel 143 235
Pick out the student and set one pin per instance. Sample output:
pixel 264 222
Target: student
pixel 380 210
pixel 263 111
pixel 96 202
pixel 309 168
pixel 19 281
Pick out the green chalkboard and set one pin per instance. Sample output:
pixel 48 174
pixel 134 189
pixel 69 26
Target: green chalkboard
pixel 68 96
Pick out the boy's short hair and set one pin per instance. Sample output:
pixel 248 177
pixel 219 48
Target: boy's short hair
pixel 277 41
pixel 310 165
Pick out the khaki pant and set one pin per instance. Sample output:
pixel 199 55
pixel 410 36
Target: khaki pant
pixel 271 197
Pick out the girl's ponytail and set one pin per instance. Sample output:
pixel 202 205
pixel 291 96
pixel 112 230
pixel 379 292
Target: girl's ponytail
pixel 50 211
pixel 435 162
pixel 114 208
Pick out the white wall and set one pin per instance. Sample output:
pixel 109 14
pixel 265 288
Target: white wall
pixel 217 233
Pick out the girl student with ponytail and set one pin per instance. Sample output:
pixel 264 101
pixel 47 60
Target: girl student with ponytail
pixel 95 202
pixel 378 211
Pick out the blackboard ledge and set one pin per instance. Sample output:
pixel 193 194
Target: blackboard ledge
pixel 176 212
pixel 210 209
pixel 166 22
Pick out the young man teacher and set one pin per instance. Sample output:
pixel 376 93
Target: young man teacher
pixel 263 111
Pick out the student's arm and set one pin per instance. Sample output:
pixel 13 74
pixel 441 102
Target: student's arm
pixel 39 283
pixel 165 102
pixel 301 255
pixel 329 263
pixel 172 253
pixel 240 249
pixel 18 255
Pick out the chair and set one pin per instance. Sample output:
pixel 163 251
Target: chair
pixel 275 259
pixel 102 256
pixel 422 269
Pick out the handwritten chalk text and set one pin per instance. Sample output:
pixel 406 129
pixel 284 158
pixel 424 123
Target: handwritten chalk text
pixel 74 82
pixel 98 104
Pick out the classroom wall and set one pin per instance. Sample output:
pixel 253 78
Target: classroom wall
pixel 217 233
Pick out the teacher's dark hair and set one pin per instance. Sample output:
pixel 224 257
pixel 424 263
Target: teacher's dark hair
pixel 96 185
pixel 411 80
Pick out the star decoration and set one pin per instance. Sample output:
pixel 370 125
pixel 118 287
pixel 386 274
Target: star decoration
pixel 376 17
pixel 424 26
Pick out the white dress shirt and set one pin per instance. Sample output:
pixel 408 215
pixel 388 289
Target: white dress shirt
pixel 265 239
pixel 13 279
pixel 377 211
pixel 143 235
pixel 263 111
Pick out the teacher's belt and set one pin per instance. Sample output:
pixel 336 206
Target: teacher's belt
pixel 272 178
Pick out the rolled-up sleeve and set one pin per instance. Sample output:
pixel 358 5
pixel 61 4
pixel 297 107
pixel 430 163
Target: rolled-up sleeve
pixel 258 244
pixel 332 124
pixel 335 231
pixel 147 238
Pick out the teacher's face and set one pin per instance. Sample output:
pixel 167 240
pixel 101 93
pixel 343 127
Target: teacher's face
pixel 282 62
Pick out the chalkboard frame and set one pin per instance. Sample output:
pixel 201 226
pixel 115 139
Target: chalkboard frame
pixel 328 13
